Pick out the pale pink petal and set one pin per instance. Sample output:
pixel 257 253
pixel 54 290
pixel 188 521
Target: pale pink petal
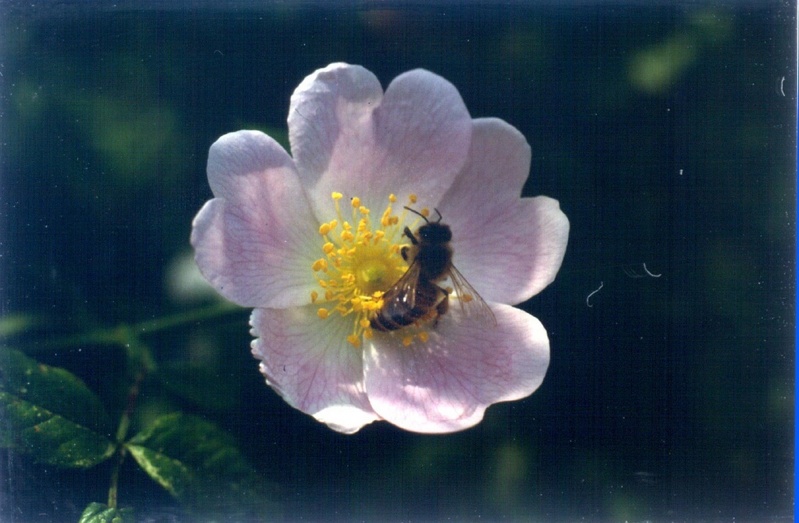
pixel 347 136
pixel 311 365
pixel 516 252
pixel 508 248
pixel 255 243
pixel 445 384
pixel 498 164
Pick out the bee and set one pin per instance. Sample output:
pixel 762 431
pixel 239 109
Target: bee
pixel 417 295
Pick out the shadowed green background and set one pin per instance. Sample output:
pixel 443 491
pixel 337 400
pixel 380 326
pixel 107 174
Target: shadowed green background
pixel 667 134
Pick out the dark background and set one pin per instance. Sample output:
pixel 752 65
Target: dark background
pixel 666 132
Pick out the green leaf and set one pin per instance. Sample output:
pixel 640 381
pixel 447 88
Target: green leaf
pixel 17 323
pixel 100 513
pixel 201 466
pixel 50 413
pixel 199 385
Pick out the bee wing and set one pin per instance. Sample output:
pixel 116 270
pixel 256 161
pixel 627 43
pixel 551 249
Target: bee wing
pixel 471 303
pixel 404 291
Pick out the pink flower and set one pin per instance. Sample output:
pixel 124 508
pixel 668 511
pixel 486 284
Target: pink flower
pixel 312 243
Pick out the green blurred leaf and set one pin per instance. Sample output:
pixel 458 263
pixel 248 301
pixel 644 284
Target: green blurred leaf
pixel 17 323
pixel 201 466
pixel 100 513
pixel 199 385
pixel 51 414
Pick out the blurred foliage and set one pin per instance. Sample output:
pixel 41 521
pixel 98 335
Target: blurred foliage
pixel 665 132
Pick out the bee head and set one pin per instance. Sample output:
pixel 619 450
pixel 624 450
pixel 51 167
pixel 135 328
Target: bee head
pixel 433 232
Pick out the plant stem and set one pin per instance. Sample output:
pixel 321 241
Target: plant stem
pixel 183 318
pixel 111 335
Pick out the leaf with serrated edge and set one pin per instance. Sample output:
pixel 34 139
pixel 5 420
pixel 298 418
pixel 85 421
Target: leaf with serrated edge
pixel 51 414
pixel 100 513
pixel 199 464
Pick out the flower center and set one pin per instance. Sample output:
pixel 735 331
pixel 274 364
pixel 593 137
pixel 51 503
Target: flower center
pixel 361 262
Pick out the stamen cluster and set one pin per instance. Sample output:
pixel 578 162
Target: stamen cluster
pixel 361 260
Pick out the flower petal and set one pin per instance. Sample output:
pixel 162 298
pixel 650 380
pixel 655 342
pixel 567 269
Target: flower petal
pixel 256 242
pixel 347 136
pixel 493 228
pixel 516 252
pixel 446 383
pixel 308 362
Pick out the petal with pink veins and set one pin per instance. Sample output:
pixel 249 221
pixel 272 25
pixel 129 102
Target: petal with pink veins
pixel 446 383
pixel 516 253
pixel 256 241
pixel 347 136
pixel 509 248
pixel 312 366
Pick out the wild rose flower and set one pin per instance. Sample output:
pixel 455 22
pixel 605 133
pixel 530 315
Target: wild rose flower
pixel 313 241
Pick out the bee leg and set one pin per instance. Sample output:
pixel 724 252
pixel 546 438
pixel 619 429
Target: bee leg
pixel 404 253
pixel 410 235
pixel 442 307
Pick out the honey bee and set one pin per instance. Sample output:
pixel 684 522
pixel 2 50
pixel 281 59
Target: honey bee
pixel 417 295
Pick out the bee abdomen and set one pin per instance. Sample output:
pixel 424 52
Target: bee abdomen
pixel 398 313
pixel 386 321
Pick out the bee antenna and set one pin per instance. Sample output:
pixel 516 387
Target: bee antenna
pixel 422 215
pixel 417 212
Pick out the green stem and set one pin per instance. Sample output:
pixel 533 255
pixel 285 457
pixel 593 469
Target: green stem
pixel 183 318
pixel 113 489
pixel 112 335
pixel 139 355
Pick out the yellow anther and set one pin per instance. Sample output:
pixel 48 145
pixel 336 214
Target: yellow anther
pixel 423 336
pixel 360 262
pixel 425 212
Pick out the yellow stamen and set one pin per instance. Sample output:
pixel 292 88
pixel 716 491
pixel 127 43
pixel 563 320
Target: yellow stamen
pixel 360 263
